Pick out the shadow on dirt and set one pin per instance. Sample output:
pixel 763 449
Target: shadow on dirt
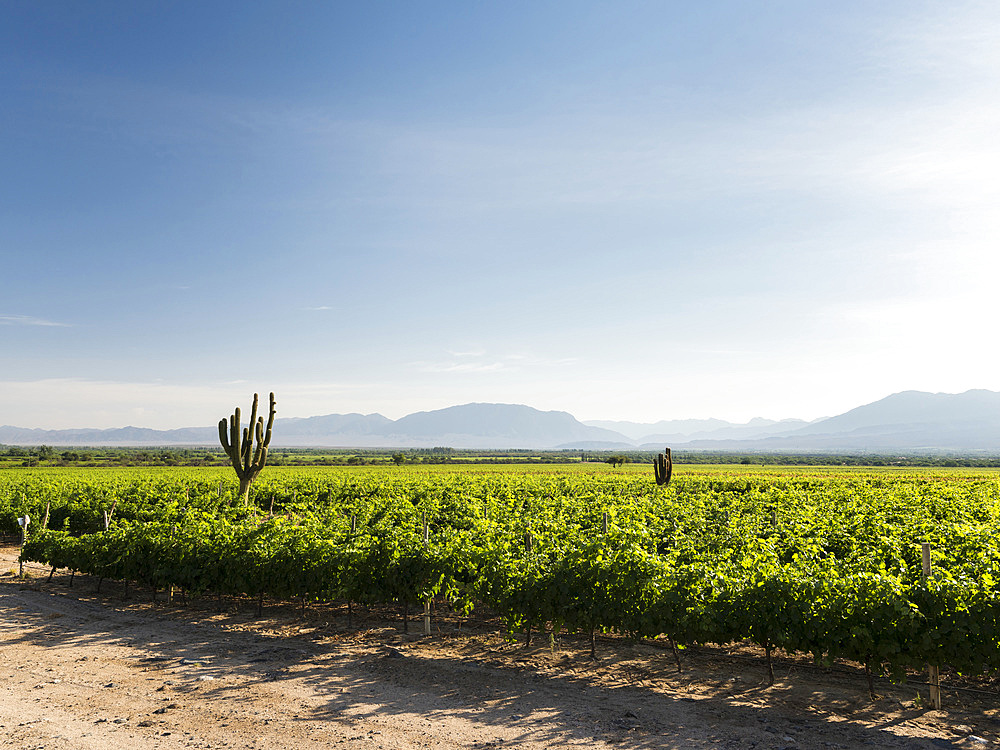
pixel 631 696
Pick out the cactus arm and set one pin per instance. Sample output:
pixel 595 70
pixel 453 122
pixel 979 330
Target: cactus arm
pixel 234 437
pixel 270 422
pixel 259 438
pixel 264 437
pixel 267 431
pixel 245 448
pixel 229 445
pixel 223 437
pixel 253 410
pixel 247 436
pixel 249 459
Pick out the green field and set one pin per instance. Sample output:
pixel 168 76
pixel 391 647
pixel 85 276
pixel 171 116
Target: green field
pixel 818 560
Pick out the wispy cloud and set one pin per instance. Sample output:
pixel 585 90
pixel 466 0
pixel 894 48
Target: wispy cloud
pixel 481 361
pixel 536 361
pixel 320 307
pixel 458 366
pixel 27 320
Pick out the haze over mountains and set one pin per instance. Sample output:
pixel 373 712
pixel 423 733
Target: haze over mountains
pixel 907 422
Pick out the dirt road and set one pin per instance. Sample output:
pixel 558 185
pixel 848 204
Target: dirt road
pixel 83 670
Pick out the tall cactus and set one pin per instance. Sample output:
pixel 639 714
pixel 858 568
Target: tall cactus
pixel 247 460
pixel 663 467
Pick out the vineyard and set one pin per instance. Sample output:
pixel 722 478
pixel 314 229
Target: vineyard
pixel 826 563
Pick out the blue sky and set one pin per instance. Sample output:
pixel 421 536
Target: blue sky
pixel 628 210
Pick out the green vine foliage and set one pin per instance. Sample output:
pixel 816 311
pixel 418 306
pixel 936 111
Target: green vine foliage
pixel 827 565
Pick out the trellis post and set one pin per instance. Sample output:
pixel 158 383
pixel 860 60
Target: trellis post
pixel 933 672
pixel 23 522
pixel 427 601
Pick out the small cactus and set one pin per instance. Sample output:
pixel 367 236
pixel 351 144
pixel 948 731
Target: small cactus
pixel 663 467
pixel 247 460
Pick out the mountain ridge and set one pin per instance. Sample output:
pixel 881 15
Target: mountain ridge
pixel 907 421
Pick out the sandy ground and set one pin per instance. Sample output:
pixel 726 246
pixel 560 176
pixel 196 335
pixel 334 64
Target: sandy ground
pixel 81 669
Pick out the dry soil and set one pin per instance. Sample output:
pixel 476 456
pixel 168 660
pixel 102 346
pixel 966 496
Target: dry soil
pixel 84 669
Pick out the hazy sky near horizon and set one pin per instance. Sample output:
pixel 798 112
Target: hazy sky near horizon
pixel 630 210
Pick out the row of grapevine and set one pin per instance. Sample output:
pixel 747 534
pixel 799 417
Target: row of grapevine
pixel 828 564
pixel 825 565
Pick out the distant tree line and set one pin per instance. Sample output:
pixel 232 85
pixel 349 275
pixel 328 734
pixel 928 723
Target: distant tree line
pixel 794 459
pixel 45 455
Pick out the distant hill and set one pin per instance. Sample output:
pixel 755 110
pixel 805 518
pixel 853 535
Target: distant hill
pixel 910 410
pixel 685 430
pixel 496 426
pixel 637 430
pixel 907 422
pixel 333 424
pixel 467 426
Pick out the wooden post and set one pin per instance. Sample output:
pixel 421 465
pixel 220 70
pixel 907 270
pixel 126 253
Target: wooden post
pixel 170 588
pixel 604 523
pixel 350 602
pixel 23 522
pixel 427 602
pixel 933 673
pixel 528 541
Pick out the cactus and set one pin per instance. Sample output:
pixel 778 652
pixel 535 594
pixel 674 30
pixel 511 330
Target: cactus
pixel 247 460
pixel 663 467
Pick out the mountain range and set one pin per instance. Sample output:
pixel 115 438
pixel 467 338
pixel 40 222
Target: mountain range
pixel 908 422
